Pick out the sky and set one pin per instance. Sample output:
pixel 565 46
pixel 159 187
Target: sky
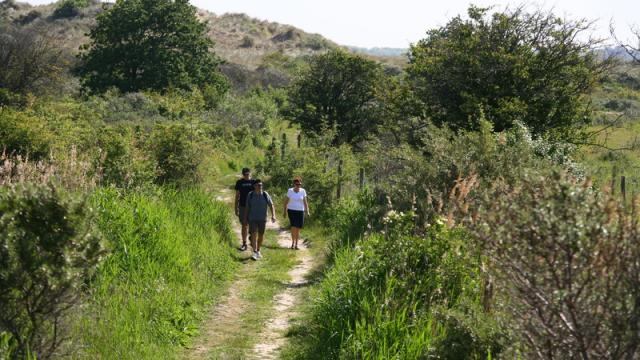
pixel 397 23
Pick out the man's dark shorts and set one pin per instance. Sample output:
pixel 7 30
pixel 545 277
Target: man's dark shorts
pixel 257 226
pixel 241 219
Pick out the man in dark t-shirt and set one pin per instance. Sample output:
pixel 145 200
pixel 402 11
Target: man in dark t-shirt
pixel 243 187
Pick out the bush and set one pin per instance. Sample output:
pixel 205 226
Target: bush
pixel 257 110
pixel 69 8
pixel 48 250
pixel 176 154
pixel 23 134
pixel 566 267
pixel 317 164
pixel 8 98
pixel 422 178
pixel 121 162
pixel 402 297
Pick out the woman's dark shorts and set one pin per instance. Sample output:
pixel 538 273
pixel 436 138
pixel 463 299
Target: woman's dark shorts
pixel 296 217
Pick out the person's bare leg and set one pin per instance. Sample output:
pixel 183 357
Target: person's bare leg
pixel 254 246
pixel 295 233
pixel 293 237
pixel 245 233
pixel 260 238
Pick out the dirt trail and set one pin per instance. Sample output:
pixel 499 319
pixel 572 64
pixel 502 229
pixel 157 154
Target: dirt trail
pixel 273 335
pixel 223 323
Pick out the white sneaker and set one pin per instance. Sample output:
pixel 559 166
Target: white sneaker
pixel 259 255
pixel 255 255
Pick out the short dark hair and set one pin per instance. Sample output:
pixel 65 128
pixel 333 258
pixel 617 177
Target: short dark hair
pixel 246 170
pixel 256 182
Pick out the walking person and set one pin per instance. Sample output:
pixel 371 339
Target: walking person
pixel 243 187
pixel 295 206
pixel 258 201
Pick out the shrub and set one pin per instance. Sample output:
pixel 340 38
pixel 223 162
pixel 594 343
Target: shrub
pixel 566 267
pixel 403 297
pixel 176 154
pixel 317 164
pixel 257 110
pixel 422 178
pixel 23 134
pixel 247 42
pixel 31 62
pixel 69 8
pixel 48 250
pixel 121 162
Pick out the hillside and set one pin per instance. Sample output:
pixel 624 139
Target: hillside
pixel 256 51
pixel 239 38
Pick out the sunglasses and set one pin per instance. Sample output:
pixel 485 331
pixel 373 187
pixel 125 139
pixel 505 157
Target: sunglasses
pixel 297 183
pixel 258 185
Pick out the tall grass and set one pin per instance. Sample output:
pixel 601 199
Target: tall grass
pixel 170 255
pixel 398 296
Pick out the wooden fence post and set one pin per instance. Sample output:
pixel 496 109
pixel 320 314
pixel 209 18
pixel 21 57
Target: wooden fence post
pixel 299 140
pixel 283 146
pixel 361 178
pixel 623 189
pixel 339 190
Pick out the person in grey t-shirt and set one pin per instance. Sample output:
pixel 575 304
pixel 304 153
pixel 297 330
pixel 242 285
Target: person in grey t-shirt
pixel 258 202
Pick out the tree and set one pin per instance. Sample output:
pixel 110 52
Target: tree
pixel 509 66
pixel 69 8
pixel 632 51
pixel 337 91
pixel 30 62
pixel 149 45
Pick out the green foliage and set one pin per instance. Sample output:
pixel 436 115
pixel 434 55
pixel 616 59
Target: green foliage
pixel 509 66
pixel 176 154
pixel 30 63
pixel 150 45
pixel 23 134
pixel 316 163
pixel 122 161
pixel 170 255
pixel 48 250
pixel 423 181
pixel 337 92
pixel 565 260
pixel 257 110
pixel 402 297
pixel 69 8
pixel 350 219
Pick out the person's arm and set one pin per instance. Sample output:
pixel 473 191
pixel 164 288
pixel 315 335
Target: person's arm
pixel 246 209
pixel 286 201
pixel 306 206
pixel 236 203
pixel 273 213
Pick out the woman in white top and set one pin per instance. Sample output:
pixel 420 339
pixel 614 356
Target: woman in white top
pixel 295 206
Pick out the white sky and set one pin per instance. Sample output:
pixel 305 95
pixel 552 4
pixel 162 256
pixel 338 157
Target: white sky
pixel 398 23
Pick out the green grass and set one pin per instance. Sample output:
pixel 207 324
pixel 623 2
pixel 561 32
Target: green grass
pixel 396 297
pixel 622 159
pixel 171 255
pixel 263 280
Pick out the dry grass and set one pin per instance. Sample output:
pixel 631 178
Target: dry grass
pixel 70 171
